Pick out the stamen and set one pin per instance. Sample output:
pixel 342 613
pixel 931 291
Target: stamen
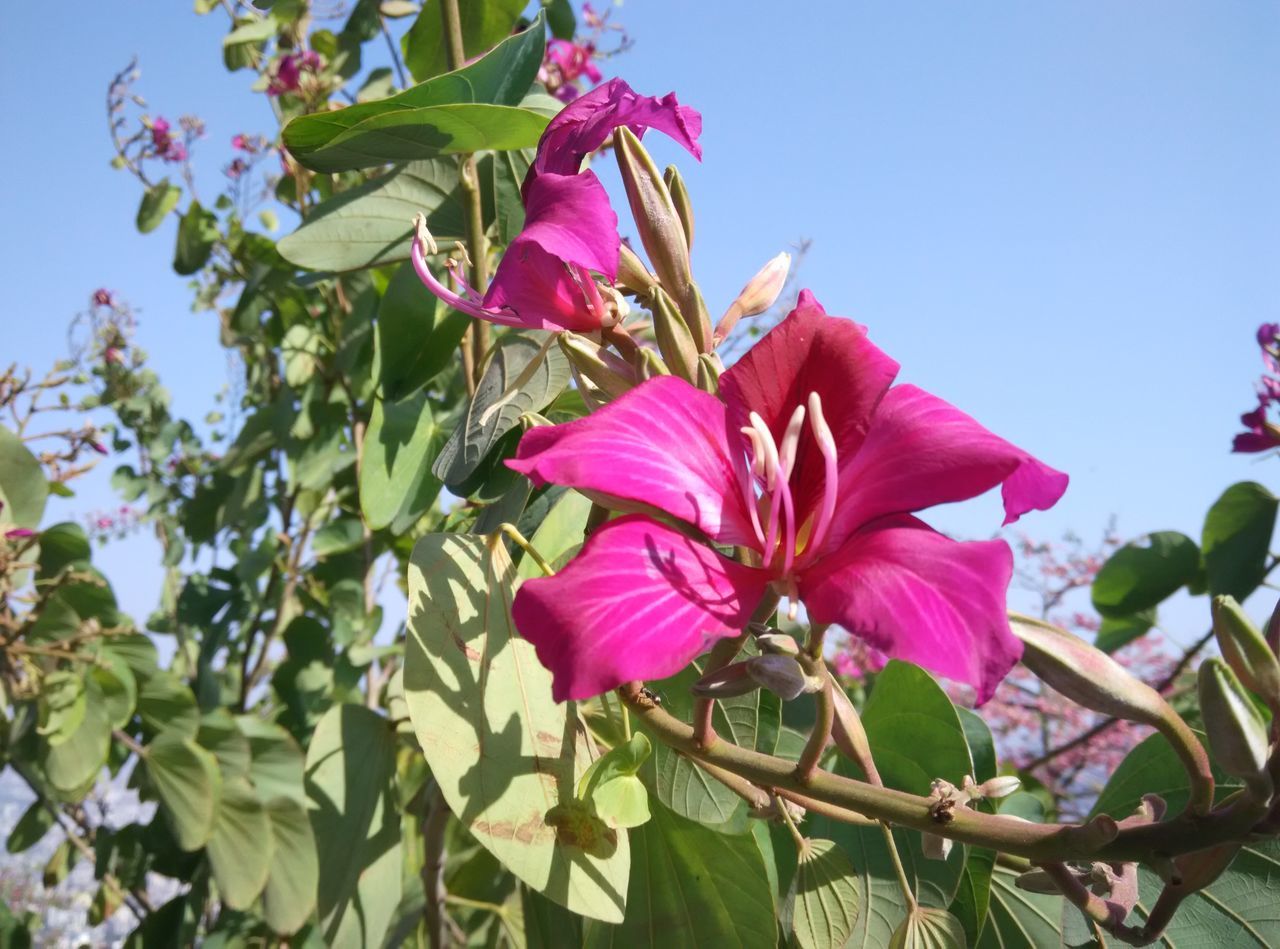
pixel 791 439
pixel 826 445
pixel 455 273
pixel 757 454
pixel 789 519
pixel 749 495
pixel 424 243
pixel 771 466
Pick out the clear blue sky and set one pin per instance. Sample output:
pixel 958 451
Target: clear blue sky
pixel 1064 218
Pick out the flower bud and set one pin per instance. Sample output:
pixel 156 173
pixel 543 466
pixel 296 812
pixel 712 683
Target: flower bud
pixel 849 735
pixel 651 365
pixel 1237 733
pixel 1086 675
pixel 775 643
pixel 1199 869
pixel 782 675
pixel 726 682
pixel 674 339
pixel 610 373
pixel 997 787
pixel 758 295
pixel 1037 881
pixel 709 369
pixel 1246 651
pixel 934 846
pixel 633 275
pixel 680 198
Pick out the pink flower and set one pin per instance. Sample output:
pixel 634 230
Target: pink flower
pixel 102 297
pixel 166 147
pixel 290 70
pixel 19 533
pixel 237 168
pixel 544 280
pixel 1260 435
pixel 813 464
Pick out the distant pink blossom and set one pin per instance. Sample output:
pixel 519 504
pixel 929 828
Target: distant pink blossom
pixel 290 70
pixel 103 297
pixel 1260 433
pixel 164 144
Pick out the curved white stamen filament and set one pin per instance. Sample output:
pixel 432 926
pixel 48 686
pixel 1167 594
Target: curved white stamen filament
pixel 770 450
pixel 789 519
pixel 790 441
pixel 826 445
pixel 422 244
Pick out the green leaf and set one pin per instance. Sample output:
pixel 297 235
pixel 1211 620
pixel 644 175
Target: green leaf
pixel 1237 535
pixel 483 26
pixel 338 537
pixel 1118 631
pixel 972 903
pixel 62 545
pixel 62 705
pixel 612 784
pixel 23 489
pixel 523 375
pixel 418 335
pixel 560 18
pixel 72 766
pixel 219 735
pixel 197 233
pixel 927 928
pixel 187 781
pixel 117 687
pixel 1144 572
pixel 36 821
pixel 372 223
pixel 276 763
pixel 395 475
pixel 290 894
pixel 470 110
pixel 504 754
pixel 157 201
pixel 982 744
pixel 302 348
pixel 559 534
pixel 241 846
pixel 822 904
pixel 691 886
pixel 166 703
pixel 351 768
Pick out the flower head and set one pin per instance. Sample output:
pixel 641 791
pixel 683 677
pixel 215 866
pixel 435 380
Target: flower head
pixel 546 278
pixel 164 144
pixel 812 463
pixel 290 70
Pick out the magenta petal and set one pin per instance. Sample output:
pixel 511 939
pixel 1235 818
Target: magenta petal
pixel 1248 442
pixel 639 602
pixel 810 351
pixel 584 125
pixel 917 595
pixel 661 447
pixel 568 220
pixel 922 451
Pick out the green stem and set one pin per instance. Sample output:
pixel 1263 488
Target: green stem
pixel 520 540
pixel 907 893
pixel 785 811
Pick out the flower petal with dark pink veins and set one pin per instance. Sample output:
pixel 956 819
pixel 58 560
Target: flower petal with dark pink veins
pixel 568 220
pixel 586 123
pixel 639 602
pixel 921 451
pixel 917 595
pixel 810 351
pixel 660 447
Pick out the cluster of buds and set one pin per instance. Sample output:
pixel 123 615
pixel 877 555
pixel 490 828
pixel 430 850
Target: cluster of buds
pixel 776 669
pixel 164 144
pixel 946 798
pixel 678 338
pixel 1262 434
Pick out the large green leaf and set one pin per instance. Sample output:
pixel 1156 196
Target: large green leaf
pixel 691 886
pixel 418 335
pixel 1018 919
pixel 470 110
pixel 523 375
pixel 197 233
pixel 36 821
pixel 1237 535
pixel 1118 631
pixel 823 902
pixel 504 754
pixel 371 223
pixel 187 781
pixel 351 768
pixel 915 735
pixel 395 474
pixel 157 201
pixel 241 846
pixel 276 763
pixel 483 26
pixel 73 764
pixel 1144 572
pixel 62 545
pixel 290 894
pixel 23 489
pixel 558 534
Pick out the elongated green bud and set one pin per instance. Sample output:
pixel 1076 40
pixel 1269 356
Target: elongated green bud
pixel 680 198
pixel 675 342
pixel 1237 733
pixel 1273 630
pixel 662 232
pixel 849 735
pixel 1091 678
pixel 1246 651
pixel 709 369
pixel 633 275
pixel 611 374
pixel 651 365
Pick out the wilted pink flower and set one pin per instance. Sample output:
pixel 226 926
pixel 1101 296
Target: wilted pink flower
pixel 813 464
pixel 544 280
pixel 1261 434
pixel 103 298
pixel 164 144
pixel 565 63
pixel 237 168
